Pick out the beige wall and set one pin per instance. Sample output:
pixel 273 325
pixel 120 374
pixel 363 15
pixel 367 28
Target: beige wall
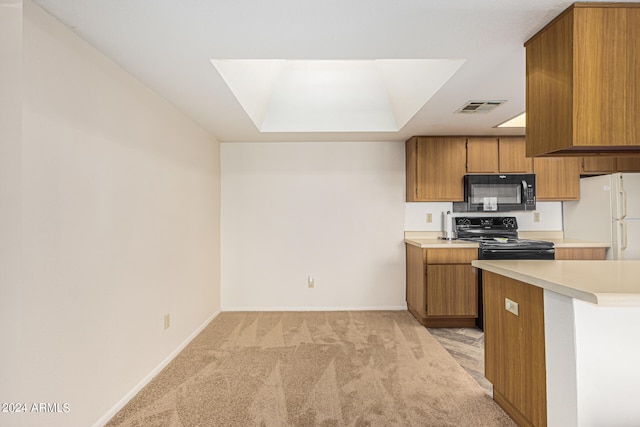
pixel 118 197
pixel 334 210
pixel 10 206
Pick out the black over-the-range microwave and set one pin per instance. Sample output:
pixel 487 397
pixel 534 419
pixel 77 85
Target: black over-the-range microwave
pixel 487 193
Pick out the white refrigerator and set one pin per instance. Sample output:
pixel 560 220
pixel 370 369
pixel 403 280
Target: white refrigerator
pixel 608 211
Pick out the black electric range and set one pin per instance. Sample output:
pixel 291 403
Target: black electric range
pixel 497 238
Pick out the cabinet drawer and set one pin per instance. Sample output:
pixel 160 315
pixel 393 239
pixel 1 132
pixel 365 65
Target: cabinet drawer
pixel 581 253
pixel 451 256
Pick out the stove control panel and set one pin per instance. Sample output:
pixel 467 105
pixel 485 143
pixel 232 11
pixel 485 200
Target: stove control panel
pixel 491 223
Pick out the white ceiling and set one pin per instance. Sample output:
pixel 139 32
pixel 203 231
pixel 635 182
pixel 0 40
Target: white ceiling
pixel 169 46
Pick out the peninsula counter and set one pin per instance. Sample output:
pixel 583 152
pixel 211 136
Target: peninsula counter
pixel 562 340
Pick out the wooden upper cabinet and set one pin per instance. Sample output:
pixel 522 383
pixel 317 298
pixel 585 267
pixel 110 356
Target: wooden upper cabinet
pixel 583 81
pixel 609 164
pixel 513 157
pixel 598 165
pixel 482 155
pixel 498 155
pixel 628 164
pixel 435 168
pixel 557 178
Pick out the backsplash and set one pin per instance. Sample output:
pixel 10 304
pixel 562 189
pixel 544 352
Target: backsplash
pixel 415 216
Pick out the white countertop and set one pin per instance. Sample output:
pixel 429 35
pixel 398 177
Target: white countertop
pixel 608 283
pixel 435 243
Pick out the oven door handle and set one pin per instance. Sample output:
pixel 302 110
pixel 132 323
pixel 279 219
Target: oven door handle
pixel 546 251
pixel 490 254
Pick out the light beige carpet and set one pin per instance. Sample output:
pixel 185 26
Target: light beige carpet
pixel 376 368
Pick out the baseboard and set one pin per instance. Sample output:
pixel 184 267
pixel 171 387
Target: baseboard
pixel 376 308
pixel 118 406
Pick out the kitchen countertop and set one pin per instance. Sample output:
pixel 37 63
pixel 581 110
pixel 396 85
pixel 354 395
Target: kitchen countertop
pixel 435 243
pixel 607 282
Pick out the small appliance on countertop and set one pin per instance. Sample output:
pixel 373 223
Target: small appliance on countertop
pixel 447 225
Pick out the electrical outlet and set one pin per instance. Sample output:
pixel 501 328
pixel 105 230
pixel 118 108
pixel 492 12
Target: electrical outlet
pixel 511 306
pixel 311 281
pixel 167 321
pixel 536 217
pixel 429 218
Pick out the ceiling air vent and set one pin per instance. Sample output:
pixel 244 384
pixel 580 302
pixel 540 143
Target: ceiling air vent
pixel 479 107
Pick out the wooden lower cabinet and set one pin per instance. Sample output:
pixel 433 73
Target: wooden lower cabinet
pixel 515 348
pixel 442 286
pixel 452 290
pixel 514 345
pixel 581 253
pixel 416 282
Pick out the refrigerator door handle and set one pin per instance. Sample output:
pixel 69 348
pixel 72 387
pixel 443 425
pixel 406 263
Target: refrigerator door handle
pixel 623 235
pixel 622 197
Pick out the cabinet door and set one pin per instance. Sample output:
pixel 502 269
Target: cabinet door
pixel 482 155
pixel 440 169
pixel 513 157
pixel 557 178
pixel 452 290
pixel 628 164
pixel 595 165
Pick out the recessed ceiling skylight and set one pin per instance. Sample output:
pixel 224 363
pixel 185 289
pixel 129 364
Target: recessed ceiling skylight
pixel 334 96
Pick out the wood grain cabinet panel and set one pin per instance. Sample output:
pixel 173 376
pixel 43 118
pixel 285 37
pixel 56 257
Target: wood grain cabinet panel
pixel 515 348
pixel 442 286
pixel 416 295
pixel 451 256
pixel 482 155
pixel 581 253
pixel 557 178
pixel 435 168
pixel 452 290
pixel 498 155
pixel 582 85
pixel 609 164
pixel 513 157
pixel 628 164
pixel 598 165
